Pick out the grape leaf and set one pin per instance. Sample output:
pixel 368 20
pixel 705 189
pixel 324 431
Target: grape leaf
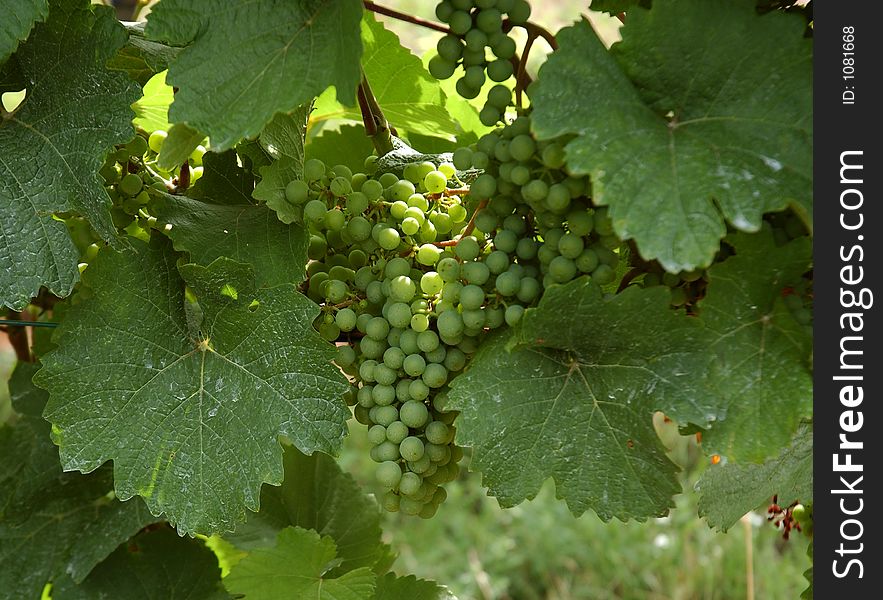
pixel 639 349
pixel 617 6
pixel 180 143
pixel 191 417
pixel 153 564
pixel 807 593
pixel 283 140
pixel 348 145
pixel 761 371
pixel 553 417
pixel 391 587
pixel 224 221
pixel 152 109
pixel 409 96
pixel 287 53
pixel 27 399
pixel 728 491
pixel 52 147
pixel 317 495
pixel 675 156
pixel 296 567
pixel 142 58
pixel 19 17
pixel 54 524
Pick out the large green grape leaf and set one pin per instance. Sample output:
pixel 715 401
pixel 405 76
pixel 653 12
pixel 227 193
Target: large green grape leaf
pixel 190 414
pixel 680 134
pixel 283 140
pixel 226 222
pixel 142 58
pixel 52 147
pixel 390 587
pixel 152 109
pixel 19 17
pixel 535 412
pixel 54 524
pixel 27 399
pixel 347 145
pixel 728 491
pixel 286 53
pixel 317 495
pixel 808 592
pixel 152 565
pixel 761 368
pixel 410 97
pixel 297 567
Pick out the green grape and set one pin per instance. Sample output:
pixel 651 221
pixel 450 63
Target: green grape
pixel 428 254
pixel 438 433
pixel 156 140
pixel 465 90
pixel 484 186
pixel 414 365
pixel 604 274
pixel 489 20
pixel 587 261
pixel 427 341
pixel 402 288
pixel 460 22
pixel 314 211
pixel 399 315
pixel 410 483
pixel 500 70
pixel 388 474
pixel 131 184
pixel 500 97
pixel 475 273
pixel 384 415
pixel 431 283
pixel 467 248
pixel 414 413
pixel 462 158
pixel 435 182
pixel 435 375
pixel 388 238
pixel 297 192
pixel 476 39
pixel 138 147
pixel 448 269
pixel 411 449
pixel 497 262
pixel 450 324
pixel 377 434
pixel 450 48
pixel 519 13
pixel 377 328
pixel 441 68
pixel 505 48
pixel 409 506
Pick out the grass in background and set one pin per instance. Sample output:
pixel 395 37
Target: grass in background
pixel 538 550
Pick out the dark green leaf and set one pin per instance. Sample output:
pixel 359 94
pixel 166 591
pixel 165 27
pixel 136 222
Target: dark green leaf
pixel 283 140
pixel 728 491
pixel 192 413
pixel 348 145
pixel 27 399
pixel 679 133
pixel 287 53
pixel 761 368
pixel 182 141
pixel 52 147
pixel 226 222
pixel 555 416
pixel 142 58
pixel 152 565
pixel 19 17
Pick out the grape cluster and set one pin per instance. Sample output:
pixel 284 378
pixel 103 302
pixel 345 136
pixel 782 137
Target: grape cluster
pixel 477 26
pixel 539 218
pixel 407 297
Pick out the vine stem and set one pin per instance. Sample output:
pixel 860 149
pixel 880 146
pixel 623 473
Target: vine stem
pixel 467 230
pixel 389 12
pixel 376 126
pixel 18 338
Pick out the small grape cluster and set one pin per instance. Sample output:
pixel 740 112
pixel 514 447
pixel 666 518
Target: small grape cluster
pixel 477 26
pixel 539 216
pixel 406 296
pixel 687 287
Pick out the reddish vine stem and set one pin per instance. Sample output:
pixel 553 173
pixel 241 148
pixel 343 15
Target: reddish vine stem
pixel 534 30
pixel 18 338
pixel 383 10
pixel 469 227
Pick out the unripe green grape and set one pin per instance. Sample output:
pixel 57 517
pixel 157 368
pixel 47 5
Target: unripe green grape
pixel 506 240
pixel 480 160
pixel 335 291
pixel 462 4
pixel 388 238
pixel 410 226
pixel 460 22
pixel 334 219
pixel 489 115
pixel 484 186
pixel 522 147
pixel 388 474
pixel 476 273
pixel 553 156
pixel 419 322
pixel 157 139
pixel 372 189
pixel 377 434
pixel 505 48
pixel 499 70
pixel 441 68
pixel 357 203
pixel 362 416
pixel 138 147
pixel 435 375
pixel 457 213
pixel 519 13
pixel 562 269
pixel 476 39
pixel 314 211
pixel 399 315
pixel 340 186
pixel 450 48
pixel 428 254
pixel 486 221
pixel 471 297
pixel 450 324
pixel 383 394
pixel 465 90
pixel 443 222
pixel 385 415
pixel 462 158
pixel 346 356
pixel 414 365
pixel 489 20
pixel 474 77
pixel 410 483
pixel 499 97
pixel 414 413
pixel 605 274
pixel 535 191
pixel 388 180
pixel 473 319
pixel 314 169
pixel 438 433
pixel 431 283
pixel 497 262
pixel 528 290
pixel 507 284
pixel 397 209
pixel 444 10
pixel 377 328
pixel 435 182
pixel 409 506
pixel 678 295
pixel 467 248
pixel 131 184
pixel 411 449
pixel 393 357
pixel 427 341
pixel 448 269
pixel 587 261
pixel 416 213
pixel 297 192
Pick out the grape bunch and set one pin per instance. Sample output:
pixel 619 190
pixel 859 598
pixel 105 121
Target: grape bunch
pixel 477 30
pixel 538 217
pixel 406 294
